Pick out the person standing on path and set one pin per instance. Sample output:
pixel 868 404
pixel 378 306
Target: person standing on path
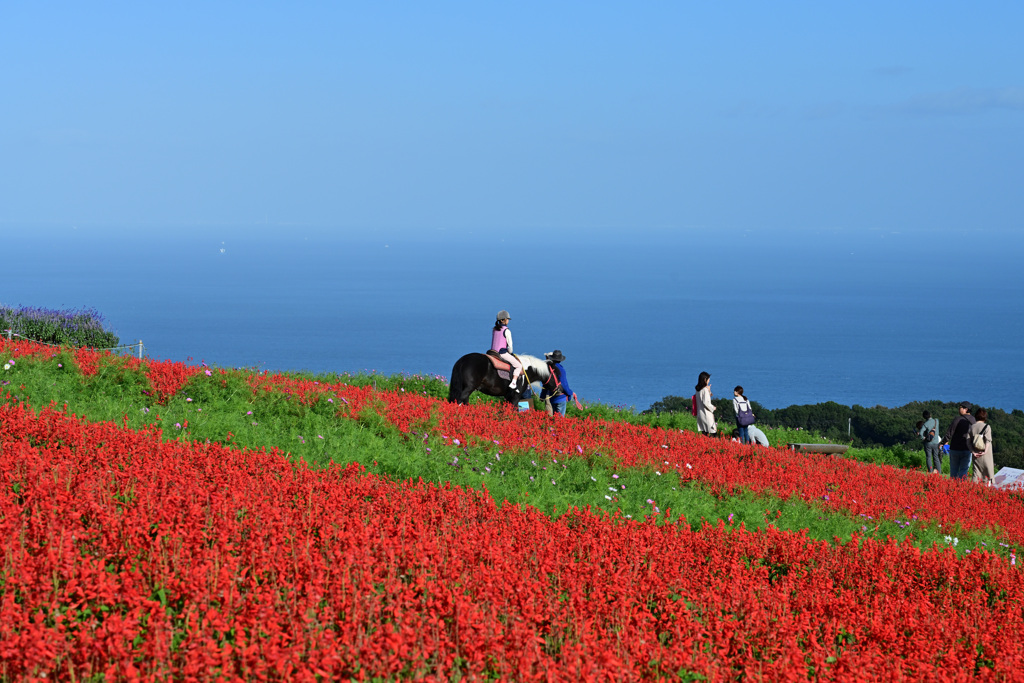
pixel 501 343
pixel 983 464
pixel 705 408
pixel 956 436
pixel 929 433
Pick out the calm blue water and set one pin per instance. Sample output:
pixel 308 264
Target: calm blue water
pixel 874 319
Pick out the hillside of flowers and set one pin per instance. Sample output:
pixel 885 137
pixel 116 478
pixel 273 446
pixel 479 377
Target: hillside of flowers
pixel 870 493
pixel 146 547
pixel 134 557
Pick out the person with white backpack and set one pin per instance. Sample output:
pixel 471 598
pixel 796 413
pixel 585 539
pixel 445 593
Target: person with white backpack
pixel 980 440
pixel 744 414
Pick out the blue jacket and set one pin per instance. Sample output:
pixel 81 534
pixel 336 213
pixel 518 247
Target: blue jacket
pixel 560 398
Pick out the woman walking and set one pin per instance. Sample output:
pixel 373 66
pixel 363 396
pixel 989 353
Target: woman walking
pixel 705 408
pixel 981 435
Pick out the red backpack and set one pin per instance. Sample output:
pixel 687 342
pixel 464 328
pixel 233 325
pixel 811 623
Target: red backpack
pixel 693 405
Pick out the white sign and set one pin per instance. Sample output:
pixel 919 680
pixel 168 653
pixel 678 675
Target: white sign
pixel 1008 478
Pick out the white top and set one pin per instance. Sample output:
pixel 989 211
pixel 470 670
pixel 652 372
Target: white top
pixel 757 436
pixel 706 412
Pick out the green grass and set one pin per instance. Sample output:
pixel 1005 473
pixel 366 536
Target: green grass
pixel 224 409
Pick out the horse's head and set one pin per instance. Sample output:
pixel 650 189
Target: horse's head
pixel 535 368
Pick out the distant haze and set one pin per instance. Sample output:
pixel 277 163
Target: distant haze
pixel 603 118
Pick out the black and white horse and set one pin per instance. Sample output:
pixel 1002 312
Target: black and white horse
pixel 476 372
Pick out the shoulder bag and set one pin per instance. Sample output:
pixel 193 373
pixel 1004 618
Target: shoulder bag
pixel 978 441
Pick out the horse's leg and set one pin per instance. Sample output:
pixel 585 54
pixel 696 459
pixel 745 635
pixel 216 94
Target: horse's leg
pixel 455 385
pixel 463 397
pixel 512 394
pixel 469 373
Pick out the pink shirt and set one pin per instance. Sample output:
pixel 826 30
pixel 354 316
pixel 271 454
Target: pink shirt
pixel 501 339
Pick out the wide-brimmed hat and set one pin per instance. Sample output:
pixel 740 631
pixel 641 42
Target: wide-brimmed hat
pixel 503 315
pixel 555 356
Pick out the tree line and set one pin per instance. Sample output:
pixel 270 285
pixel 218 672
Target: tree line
pixel 870 427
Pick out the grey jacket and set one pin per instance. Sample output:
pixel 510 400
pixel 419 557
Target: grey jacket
pixel 930 424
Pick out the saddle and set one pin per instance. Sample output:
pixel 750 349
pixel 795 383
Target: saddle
pixel 504 369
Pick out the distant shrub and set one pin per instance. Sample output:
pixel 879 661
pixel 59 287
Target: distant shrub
pixel 72 327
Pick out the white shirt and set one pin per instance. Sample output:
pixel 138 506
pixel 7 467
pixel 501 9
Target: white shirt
pixel 757 436
pixel 508 339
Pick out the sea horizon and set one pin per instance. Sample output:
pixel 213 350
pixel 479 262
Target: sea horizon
pixel 827 317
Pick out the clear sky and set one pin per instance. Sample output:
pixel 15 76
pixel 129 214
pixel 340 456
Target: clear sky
pixel 597 116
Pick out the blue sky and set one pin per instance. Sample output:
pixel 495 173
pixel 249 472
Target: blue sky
pixel 617 118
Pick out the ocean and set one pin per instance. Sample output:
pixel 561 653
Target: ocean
pixel 870 319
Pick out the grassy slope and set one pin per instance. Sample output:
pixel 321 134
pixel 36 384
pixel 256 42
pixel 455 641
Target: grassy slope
pixel 233 414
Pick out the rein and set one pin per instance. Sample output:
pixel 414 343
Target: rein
pixel 552 377
pixel 526 373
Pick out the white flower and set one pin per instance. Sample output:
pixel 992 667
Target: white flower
pixel 7 366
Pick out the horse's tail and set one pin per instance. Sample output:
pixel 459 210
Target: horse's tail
pixel 457 383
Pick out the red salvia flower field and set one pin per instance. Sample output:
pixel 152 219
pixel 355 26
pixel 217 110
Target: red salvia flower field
pixel 128 556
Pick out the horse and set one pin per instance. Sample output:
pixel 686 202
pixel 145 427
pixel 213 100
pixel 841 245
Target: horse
pixel 476 372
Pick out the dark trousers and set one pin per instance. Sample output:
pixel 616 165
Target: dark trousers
pixel 933 457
